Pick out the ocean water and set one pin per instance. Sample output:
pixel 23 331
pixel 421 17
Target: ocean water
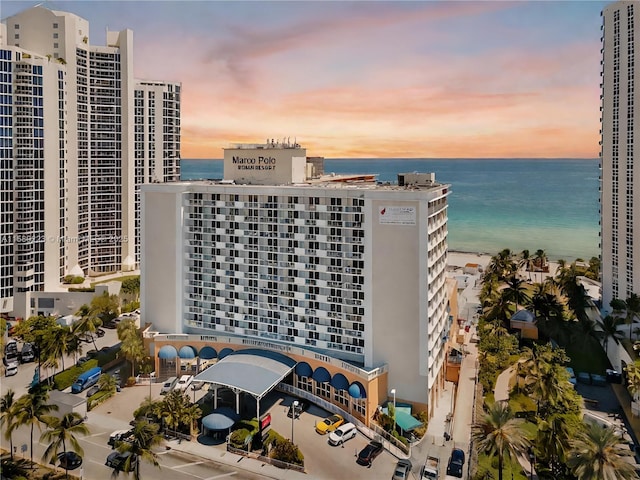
pixel 548 204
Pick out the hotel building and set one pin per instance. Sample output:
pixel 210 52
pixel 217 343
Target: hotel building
pixel 342 274
pixel 620 183
pixel 78 136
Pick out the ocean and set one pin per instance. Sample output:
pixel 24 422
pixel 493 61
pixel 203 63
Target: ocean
pixel 548 204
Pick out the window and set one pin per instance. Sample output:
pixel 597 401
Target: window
pixel 55 35
pixel 55 45
pixel 16 26
pixel 16 36
pixel 55 25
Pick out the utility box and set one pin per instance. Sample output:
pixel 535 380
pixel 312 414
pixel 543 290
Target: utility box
pixel 67 403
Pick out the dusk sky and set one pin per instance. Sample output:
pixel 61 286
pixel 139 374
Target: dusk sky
pixel 370 79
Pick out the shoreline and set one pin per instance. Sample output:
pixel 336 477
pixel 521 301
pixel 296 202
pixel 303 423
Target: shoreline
pixel 458 260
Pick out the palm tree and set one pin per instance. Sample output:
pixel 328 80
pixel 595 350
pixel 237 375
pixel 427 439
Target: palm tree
pixel 502 264
pixel 32 407
pixel 633 377
pixel 499 433
pixel 8 418
pixel 143 438
pixel 176 410
pixel 554 437
pixel 89 322
pixel 131 343
pixel 632 307
pixel 540 260
pixel 526 262
pixel 59 432
pixel 516 291
pixel 598 454
pixel 609 326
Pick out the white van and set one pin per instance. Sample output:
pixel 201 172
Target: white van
pixel 11 368
pixel 184 383
pixel 342 434
pixel 168 385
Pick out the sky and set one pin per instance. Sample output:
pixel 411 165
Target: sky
pixel 370 79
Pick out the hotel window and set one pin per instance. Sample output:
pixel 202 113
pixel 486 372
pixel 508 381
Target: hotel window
pixel 323 390
pixel 55 35
pixel 55 25
pixel 341 396
pixel 304 383
pixel 55 45
pixel 360 405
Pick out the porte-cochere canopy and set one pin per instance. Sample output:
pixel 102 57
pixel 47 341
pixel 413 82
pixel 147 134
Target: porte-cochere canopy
pixel 251 370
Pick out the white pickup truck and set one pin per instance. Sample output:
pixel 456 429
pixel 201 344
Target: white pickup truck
pixel 430 469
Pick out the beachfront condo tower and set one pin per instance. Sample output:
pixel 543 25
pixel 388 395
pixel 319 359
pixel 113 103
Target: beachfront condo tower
pixel 79 135
pixel 620 180
pixel 342 274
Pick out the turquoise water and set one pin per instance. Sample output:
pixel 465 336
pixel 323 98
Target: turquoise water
pixel 519 204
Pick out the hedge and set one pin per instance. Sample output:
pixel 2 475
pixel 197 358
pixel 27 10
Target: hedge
pixel 66 378
pixel 98 398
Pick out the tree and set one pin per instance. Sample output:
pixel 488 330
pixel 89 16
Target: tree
pixel 609 326
pixel 32 407
pixel 540 260
pixel 632 307
pixel 131 343
pixel 554 436
pixel 286 451
pixel 60 433
pixel 177 410
pixel 516 291
pixel 502 265
pixel 131 286
pixel 633 377
pixel 107 383
pixel 143 439
pixel 598 454
pixel 499 433
pixel 8 417
pixel 526 262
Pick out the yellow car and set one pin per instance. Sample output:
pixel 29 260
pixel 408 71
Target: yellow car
pixel 329 424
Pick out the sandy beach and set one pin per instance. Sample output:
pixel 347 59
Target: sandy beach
pixel 460 259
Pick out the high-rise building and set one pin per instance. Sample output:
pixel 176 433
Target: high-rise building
pixel 78 136
pixel 620 179
pixel 342 273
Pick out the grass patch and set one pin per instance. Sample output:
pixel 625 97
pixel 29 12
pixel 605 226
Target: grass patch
pixel 587 358
pixel 488 468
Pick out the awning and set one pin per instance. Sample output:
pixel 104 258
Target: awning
pixel 321 375
pixel 224 352
pixel 339 382
pixel 207 353
pixel 168 352
pixel 250 370
pixel 356 390
pixel 303 369
pixel 187 352
pixel 406 421
pixel 221 419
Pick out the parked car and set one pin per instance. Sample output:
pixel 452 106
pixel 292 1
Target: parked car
pixel 299 408
pixel 168 385
pixel 456 463
pixel 27 354
pixel 184 383
pixel 343 433
pixel 329 424
pixel 111 325
pixel 119 436
pixel 69 460
pixel 82 361
pixel 92 354
pixel 402 470
pixel 118 461
pixel 368 454
pixel 11 368
pixel 93 390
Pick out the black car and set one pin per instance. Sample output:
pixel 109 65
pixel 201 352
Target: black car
pixel 93 390
pixel 299 408
pixel 110 325
pixel 118 461
pixel 456 462
pixel 369 453
pixel 82 361
pixel 69 460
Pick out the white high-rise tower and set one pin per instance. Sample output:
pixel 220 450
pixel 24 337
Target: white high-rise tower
pixel 620 179
pixel 78 136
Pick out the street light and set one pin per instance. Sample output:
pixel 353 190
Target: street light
pixel 532 459
pixel 393 392
pixel 294 406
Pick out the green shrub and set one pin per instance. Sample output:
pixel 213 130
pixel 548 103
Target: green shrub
pixel 424 418
pixel 272 437
pixel 286 451
pixel 400 437
pixel 66 378
pixel 130 307
pixel 238 437
pixel 97 399
pixel 76 280
pixel 81 289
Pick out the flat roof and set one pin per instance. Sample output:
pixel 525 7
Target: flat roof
pixel 252 370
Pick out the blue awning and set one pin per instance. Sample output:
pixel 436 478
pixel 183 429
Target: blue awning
pixel 339 382
pixel 224 352
pixel 221 419
pixel 207 353
pixel 321 375
pixel 168 352
pixel 303 369
pixel 356 390
pixel 406 421
pixel 187 352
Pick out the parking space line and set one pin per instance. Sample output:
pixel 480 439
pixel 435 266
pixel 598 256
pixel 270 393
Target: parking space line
pixel 187 465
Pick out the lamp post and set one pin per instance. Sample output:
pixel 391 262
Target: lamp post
pixel 393 392
pixel 532 459
pixel 294 407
